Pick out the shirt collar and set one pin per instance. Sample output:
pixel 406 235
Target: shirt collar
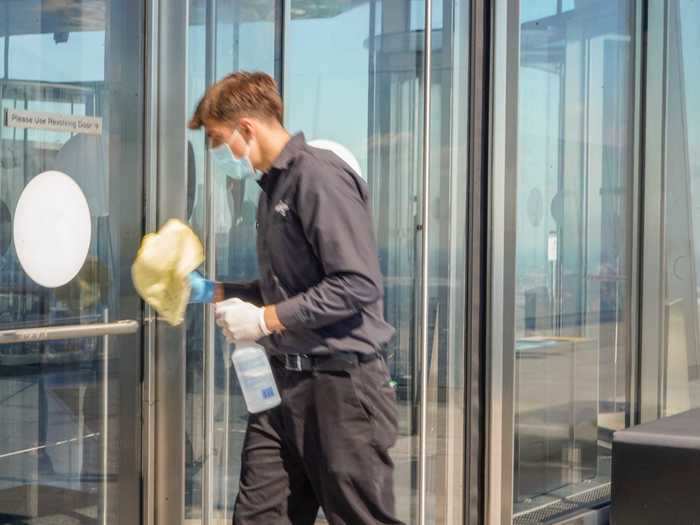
pixel 283 160
pixel 290 150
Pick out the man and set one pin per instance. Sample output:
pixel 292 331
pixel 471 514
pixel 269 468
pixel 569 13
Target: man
pixel 317 308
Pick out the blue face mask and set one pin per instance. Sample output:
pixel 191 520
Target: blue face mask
pixel 226 161
pixel 234 167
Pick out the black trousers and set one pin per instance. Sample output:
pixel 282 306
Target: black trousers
pixel 326 445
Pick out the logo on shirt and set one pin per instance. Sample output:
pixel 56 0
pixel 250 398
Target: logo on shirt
pixel 282 208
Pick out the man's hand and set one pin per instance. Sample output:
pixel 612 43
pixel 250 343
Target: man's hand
pixel 241 321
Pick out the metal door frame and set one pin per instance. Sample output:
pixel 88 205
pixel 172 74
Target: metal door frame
pixel 164 364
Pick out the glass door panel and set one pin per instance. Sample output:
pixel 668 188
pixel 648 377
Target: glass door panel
pixel 352 74
pixel 223 37
pixel 69 398
pixel 569 346
pixel 671 354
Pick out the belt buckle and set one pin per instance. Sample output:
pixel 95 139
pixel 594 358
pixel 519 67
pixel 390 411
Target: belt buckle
pixel 294 362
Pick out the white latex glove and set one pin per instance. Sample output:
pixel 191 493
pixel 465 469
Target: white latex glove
pixel 241 321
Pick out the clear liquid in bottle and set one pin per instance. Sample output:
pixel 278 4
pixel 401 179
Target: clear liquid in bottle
pixel 255 377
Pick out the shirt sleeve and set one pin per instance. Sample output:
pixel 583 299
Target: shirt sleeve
pixel 249 292
pixel 334 214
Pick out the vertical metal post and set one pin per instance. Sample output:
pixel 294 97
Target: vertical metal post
pixel 633 297
pixel 653 243
pixel 105 422
pixel 6 51
pixel 150 221
pixel 371 62
pixel 280 35
pixel 281 46
pixel 209 349
pixel 6 57
pixel 170 361
pixel 425 274
pixel 501 263
pixel 476 269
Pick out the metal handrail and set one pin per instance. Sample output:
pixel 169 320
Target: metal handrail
pixel 55 333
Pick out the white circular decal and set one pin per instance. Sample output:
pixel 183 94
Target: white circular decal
pixel 52 229
pixel 342 152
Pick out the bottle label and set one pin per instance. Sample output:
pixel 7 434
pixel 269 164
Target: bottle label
pixel 256 379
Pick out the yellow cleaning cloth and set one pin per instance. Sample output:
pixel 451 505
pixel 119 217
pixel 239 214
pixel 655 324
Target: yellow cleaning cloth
pixel 161 268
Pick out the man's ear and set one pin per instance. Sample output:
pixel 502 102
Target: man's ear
pixel 246 127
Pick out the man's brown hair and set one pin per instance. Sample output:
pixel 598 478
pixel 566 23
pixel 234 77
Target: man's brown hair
pixel 237 95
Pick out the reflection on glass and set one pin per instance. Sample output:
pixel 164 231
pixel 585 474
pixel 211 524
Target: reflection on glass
pixel 245 39
pixel 680 374
pixel 68 408
pixel 575 144
pixel 447 262
pixel 354 77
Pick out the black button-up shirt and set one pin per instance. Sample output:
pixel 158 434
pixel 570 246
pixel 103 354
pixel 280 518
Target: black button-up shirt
pixel 317 255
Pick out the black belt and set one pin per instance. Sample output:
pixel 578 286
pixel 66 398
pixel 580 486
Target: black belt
pixel 335 362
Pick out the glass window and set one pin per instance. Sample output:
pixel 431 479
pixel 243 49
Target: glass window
pixel 671 355
pixel 327 68
pixel 70 408
pixel 570 345
pixel 87 44
pixel 354 76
